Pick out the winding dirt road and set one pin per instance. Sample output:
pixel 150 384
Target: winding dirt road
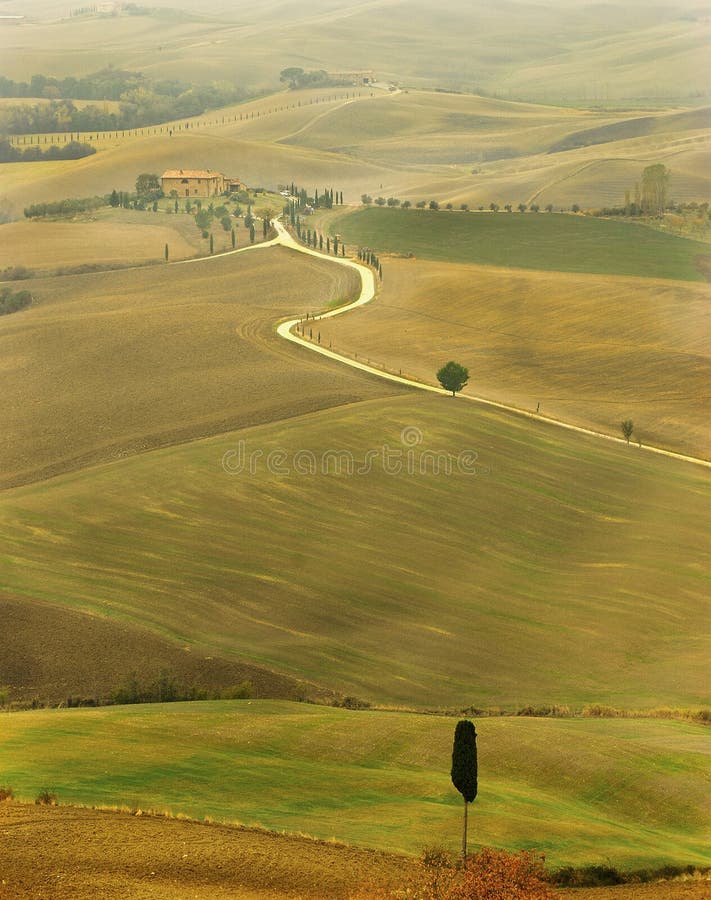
pixel 368 291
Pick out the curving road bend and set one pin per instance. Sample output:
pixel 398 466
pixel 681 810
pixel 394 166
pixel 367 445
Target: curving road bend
pixel 367 293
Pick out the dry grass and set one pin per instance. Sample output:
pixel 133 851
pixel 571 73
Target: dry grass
pixel 591 350
pixel 40 245
pixel 105 365
pixel 560 542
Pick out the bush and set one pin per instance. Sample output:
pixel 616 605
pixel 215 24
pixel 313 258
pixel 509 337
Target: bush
pixel 493 874
pixel 45 798
pixel 16 273
pixel 12 302
pixel 489 874
pixel 6 793
pixel 588 876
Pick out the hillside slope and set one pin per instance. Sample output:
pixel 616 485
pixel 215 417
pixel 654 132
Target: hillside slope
pixel 418 550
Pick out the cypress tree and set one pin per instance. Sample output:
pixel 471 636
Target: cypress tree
pixel 251 232
pixel 166 253
pixel 212 244
pixel 464 769
pixel 234 239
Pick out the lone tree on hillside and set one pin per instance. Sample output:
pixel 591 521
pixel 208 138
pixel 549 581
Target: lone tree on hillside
pixel 464 769
pixel 453 377
pixel 627 428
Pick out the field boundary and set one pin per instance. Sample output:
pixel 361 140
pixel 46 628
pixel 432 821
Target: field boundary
pixel 368 293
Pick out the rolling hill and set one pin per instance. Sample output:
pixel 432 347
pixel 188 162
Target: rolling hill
pixel 110 364
pixel 301 547
pixel 557 51
pixel 628 793
pixel 591 350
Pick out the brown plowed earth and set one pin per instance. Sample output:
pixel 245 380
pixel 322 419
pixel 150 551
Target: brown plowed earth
pixel 96 656
pixel 83 854
pixel 55 853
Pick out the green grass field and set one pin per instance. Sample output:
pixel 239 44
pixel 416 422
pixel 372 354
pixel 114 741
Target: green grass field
pixel 560 560
pixel 544 241
pixel 628 792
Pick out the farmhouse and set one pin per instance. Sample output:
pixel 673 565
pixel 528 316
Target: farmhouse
pixel 364 76
pixel 198 183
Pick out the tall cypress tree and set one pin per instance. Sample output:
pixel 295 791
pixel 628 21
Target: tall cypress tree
pixel 464 768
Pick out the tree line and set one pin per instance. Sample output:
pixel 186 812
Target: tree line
pixel 72 150
pixel 68 207
pixel 143 102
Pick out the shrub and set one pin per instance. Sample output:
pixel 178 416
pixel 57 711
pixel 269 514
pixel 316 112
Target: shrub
pixel 16 273
pixel 492 874
pixel 45 798
pixel 488 875
pixel 6 793
pixel 242 691
pixel 12 302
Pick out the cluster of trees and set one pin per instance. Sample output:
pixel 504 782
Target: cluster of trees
pixel 313 238
pixel 72 150
pixel 649 197
pixel 370 259
pixel 69 207
pixel 11 301
pixel 299 78
pixel 167 689
pixel 300 199
pixel 142 102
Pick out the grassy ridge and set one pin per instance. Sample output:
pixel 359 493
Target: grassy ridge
pixel 563 559
pixel 633 792
pixel 545 241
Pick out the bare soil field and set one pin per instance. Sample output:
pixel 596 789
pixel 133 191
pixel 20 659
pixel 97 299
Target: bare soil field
pixel 58 852
pixel 592 350
pixel 88 658
pixel 102 366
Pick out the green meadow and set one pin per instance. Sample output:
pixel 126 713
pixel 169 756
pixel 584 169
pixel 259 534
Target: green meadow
pixel 421 550
pixel 547 241
pixel 582 791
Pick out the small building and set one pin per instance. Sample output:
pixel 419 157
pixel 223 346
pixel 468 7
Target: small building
pixel 363 76
pixel 196 183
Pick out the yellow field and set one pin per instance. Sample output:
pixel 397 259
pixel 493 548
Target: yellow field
pixel 592 350
pixel 42 245
pixel 110 364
